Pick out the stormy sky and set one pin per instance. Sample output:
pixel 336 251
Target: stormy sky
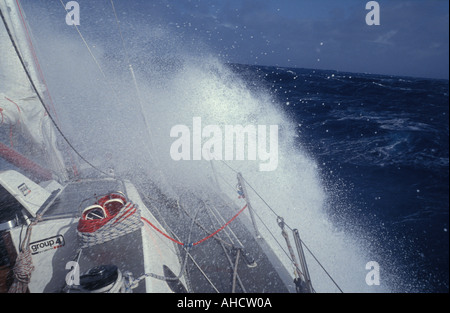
pixel 411 40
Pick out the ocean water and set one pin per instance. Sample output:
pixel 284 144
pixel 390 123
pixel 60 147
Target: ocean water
pixel 363 159
pixel 382 148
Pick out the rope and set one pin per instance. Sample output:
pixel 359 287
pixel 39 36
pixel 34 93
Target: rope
pixel 133 283
pixel 126 221
pixel 161 232
pixel 216 216
pixel 200 241
pixel 36 61
pixel 190 256
pixel 138 93
pixel 256 213
pixel 278 217
pixel 40 98
pixel 150 146
pixel 291 251
pixel 221 228
pixel 41 74
pixel 223 243
pixel 233 288
pixel 90 52
pixel 24 264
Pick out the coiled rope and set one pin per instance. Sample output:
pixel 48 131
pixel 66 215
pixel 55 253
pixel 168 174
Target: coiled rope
pixel 24 264
pixel 126 221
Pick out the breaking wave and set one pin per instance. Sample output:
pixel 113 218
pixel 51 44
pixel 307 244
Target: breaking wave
pixel 102 116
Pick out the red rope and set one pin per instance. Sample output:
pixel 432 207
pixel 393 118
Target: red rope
pixel 18 109
pixel 165 235
pixel 202 240
pixel 126 214
pixel 221 228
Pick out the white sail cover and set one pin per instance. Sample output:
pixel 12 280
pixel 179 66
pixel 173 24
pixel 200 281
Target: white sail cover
pixel 19 104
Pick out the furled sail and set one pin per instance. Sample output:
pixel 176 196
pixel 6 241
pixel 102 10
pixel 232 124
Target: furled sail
pixel 20 107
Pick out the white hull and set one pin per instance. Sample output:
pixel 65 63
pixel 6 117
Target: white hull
pixel 54 243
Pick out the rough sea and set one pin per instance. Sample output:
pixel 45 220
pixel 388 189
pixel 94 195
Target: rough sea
pixel 382 148
pixel 378 144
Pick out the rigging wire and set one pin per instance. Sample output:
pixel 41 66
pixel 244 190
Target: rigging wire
pixel 35 59
pixel 151 201
pixel 93 166
pixel 150 147
pixel 236 276
pixel 275 213
pixel 214 235
pixel 138 93
pixel 99 170
pixel 42 101
pixel 259 217
pixel 40 98
pixel 92 55
pixel 183 266
pixel 40 74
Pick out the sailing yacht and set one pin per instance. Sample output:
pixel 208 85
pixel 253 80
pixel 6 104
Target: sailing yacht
pixel 64 229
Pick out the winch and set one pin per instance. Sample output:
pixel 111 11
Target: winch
pixel 100 279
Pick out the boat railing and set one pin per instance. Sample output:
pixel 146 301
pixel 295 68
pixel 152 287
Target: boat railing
pixel 302 278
